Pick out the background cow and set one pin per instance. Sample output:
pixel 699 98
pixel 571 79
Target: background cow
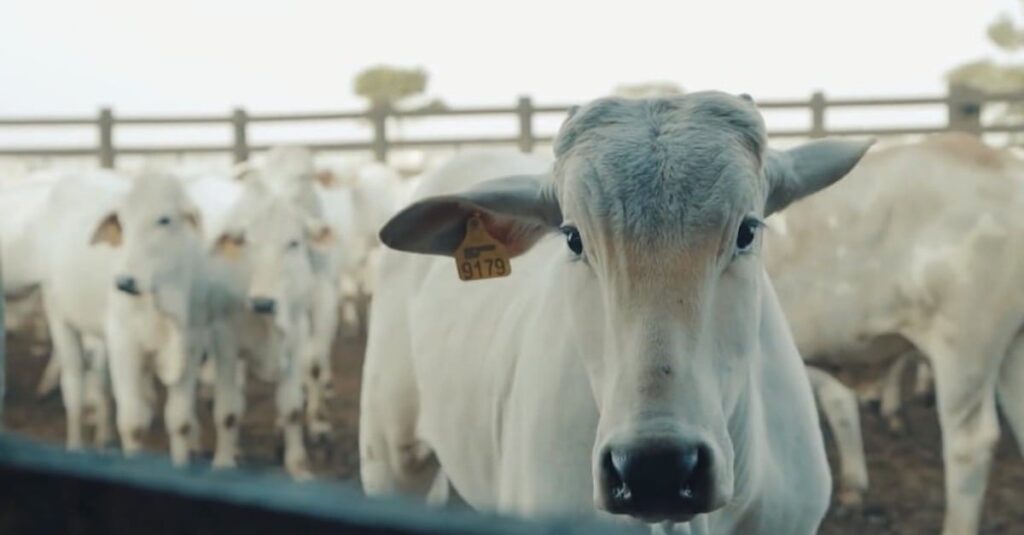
pixel 923 242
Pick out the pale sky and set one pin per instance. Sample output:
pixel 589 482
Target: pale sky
pixel 192 56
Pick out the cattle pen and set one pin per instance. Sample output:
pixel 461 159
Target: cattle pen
pixel 44 489
pixel 966 111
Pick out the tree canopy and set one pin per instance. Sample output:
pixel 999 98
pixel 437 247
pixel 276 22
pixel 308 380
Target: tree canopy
pixel 648 89
pixel 998 76
pixel 387 85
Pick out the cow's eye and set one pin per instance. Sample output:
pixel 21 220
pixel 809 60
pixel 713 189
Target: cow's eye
pixel 294 244
pixel 746 234
pixel 573 239
pixel 164 221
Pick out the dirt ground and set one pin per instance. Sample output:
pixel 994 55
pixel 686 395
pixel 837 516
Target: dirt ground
pixel 906 495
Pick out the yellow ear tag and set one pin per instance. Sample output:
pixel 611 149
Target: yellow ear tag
pixel 480 256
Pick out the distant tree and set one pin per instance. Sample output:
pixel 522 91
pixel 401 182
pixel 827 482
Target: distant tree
pixel 648 90
pixel 388 85
pixel 993 76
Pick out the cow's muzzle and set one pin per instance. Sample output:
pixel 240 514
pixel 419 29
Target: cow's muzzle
pixel 657 481
pixel 263 305
pixel 127 284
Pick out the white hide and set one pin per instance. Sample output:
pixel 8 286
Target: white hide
pixel 75 279
pixel 507 388
pixel 926 246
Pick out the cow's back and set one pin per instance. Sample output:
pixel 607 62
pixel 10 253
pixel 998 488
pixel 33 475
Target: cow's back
pixel 848 262
pixel 78 274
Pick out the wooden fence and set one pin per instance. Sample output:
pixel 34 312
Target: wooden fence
pixel 964 113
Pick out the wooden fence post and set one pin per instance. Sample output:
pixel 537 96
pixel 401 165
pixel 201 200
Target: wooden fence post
pixel 106 126
pixel 3 353
pixel 379 116
pixel 818 114
pixel 964 109
pixel 239 125
pixel 525 111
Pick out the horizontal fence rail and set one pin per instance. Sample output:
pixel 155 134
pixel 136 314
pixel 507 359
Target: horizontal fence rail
pixel 964 113
pixel 44 489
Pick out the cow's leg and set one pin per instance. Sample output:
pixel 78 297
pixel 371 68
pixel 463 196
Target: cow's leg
pixel 67 346
pixel 965 389
pixel 99 395
pixel 392 458
pixel 317 366
pixel 289 414
pixel 228 400
pixel 180 418
pixel 839 404
pixel 346 312
pixel 128 379
pixel 892 398
pixel 924 383
pixel 50 379
pixel 1011 389
pixel 180 409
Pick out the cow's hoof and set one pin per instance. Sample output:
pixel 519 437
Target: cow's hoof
pixel 105 442
pixel 299 470
pixel 850 499
pixel 222 462
pixel 896 425
pixel 322 447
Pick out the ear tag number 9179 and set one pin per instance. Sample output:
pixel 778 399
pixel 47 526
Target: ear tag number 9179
pixel 480 256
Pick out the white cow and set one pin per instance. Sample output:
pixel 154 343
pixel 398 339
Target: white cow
pixel 358 199
pixel 271 249
pixel 288 173
pixel 20 204
pixel 164 301
pixel 636 361
pixel 75 279
pixel 923 242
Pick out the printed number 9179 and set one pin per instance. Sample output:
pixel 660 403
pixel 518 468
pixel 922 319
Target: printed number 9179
pixel 483 268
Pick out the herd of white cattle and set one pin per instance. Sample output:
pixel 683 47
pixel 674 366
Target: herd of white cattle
pixel 643 358
pixel 171 275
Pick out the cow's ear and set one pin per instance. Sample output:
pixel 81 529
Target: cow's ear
pixel 801 171
pixel 327 178
pixel 229 245
pixel 319 234
pixel 108 231
pixel 194 220
pixel 516 210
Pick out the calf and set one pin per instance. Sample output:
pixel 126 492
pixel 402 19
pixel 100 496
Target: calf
pixel 272 249
pixel 161 306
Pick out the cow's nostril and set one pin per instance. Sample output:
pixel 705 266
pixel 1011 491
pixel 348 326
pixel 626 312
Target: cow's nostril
pixel 658 482
pixel 263 305
pixel 126 284
pixel 618 491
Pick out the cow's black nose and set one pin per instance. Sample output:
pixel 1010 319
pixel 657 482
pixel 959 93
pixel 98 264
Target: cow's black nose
pixel 263 305
pixel 658 482
pixel 127 284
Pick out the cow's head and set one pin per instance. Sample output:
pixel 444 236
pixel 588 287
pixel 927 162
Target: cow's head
pixel 279 245
pixel 660 203
pixel 287 172
pixel 158 229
